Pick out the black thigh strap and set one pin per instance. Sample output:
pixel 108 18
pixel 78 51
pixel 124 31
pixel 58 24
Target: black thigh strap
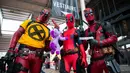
pixel 19 67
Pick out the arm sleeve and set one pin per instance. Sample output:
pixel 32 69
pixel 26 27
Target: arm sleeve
pixel 109 34
pixel 18 34
pixel 16 37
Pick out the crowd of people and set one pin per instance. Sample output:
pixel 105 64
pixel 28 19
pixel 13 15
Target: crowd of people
pixel 33 38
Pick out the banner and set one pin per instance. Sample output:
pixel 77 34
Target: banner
pixel 69 6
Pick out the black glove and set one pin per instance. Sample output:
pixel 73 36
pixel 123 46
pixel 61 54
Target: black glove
pixel 75 35
pixel 90 34
pixel 95 42
pixel 10 54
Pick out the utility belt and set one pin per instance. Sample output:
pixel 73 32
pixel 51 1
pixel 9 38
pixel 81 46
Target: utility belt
pixel 69 52
pixel 108 50
pixel 25 50
pixel 96 55
pixel 97 59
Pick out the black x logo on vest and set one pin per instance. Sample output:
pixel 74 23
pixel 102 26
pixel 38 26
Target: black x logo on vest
pixel 36 32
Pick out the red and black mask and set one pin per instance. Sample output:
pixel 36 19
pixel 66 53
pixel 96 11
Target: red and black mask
pixel 70 21
pixel 88 13
pixel 43 16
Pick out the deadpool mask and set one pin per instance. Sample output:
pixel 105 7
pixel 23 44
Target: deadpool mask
pixel 70 21
pixel 88 13
pixel 43 16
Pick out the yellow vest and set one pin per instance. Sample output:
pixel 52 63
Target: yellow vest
pixel 35 34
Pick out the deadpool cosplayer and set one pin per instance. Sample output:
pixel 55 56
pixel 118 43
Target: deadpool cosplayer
pixel 33 38
pixel 103 36
pixel 73 53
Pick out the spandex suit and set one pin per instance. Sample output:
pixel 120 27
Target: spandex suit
pixel 71 47
pixel 32 37
pixel 103 36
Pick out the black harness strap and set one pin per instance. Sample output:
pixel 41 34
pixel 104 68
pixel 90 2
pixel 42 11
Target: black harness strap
pixel 94 35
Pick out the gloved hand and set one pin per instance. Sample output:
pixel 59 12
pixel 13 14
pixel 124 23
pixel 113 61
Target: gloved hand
pixel 95 42
pixel 66 38
pixel 75 35
pixel 84 63
pixel 10 54
pixel 83 56
pixel 90 34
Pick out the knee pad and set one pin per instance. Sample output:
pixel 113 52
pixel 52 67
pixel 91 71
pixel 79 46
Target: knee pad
pixel 19 67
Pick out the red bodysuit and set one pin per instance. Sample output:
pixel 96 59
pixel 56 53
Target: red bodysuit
pixel 72 46
pixel 32 41
pixel 101 38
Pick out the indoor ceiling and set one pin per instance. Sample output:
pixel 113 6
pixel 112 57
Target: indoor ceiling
pixel 14 14
pixel 23 9
pixel 21 16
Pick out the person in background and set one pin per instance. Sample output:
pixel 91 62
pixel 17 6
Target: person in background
pixel 33 38
pixel 56 61
pixel 47 62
